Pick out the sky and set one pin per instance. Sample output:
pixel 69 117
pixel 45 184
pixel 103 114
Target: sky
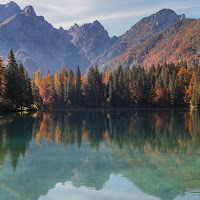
pixel 117 16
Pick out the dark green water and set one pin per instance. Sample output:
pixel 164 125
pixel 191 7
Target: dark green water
pixel 100 155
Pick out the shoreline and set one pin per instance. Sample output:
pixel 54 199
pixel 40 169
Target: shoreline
pixel 101 109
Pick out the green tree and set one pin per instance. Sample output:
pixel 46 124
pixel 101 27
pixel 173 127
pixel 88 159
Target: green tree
pixel 58 89
pixel 28 90
pixel 173 89
pixel 94 86
pixel 37 99
pixel 12 88
pixel 71 88
pixel 195 100
pixel 2 80
pixel 78 88
pixel 21 97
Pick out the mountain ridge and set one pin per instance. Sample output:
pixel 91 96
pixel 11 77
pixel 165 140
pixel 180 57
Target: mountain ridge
pixel 37 44
pixel 178 42
pixel 8 10
pixel 139 33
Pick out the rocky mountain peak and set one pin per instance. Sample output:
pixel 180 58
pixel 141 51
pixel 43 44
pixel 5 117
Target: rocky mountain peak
pixel 164 11
pixel 8 10
pixel 12 5
pixel 73 28
pixel 29 11
pixel 139 33
pixel 182 16
pixel 91 38
pixel 76 25
pixel 97 23
pixel 164 18
pixel 167 13
pixel 80 45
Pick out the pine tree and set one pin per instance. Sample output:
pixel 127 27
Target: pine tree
pixel 37 99
pixel 70 88
pixel 58 89
pixel 28 90
pixel 94 87
pixel 65 86
pixel 173 89
pixel 195 95
pixel 121 88
pixel 111 91
pixel 2 80
pixel 195 101
pixel 165 76
pixel 12 87
pixel 78 88
pixel 21 86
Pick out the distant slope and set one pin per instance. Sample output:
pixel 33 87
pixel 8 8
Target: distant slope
pixel 177 42
pixel 139 33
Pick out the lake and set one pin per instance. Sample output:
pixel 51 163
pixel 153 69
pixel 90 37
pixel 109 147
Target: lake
pixel 101 155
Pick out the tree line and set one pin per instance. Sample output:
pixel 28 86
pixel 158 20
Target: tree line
pixel 168 84
pixel 15 84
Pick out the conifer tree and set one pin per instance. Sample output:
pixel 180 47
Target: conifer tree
pixel 79 96
pixel 65 85
pixel 37 99
pixel 2 80
pixel 12 88
pixel 165 76
pixel 111 90
pixel 173 89
pixel 58 88
pixel 195 101
pixel 71 88
pixel 195 95
pixel 28 90
pixel 21 97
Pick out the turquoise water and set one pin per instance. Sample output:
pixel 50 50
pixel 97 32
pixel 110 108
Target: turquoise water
pixel 101 155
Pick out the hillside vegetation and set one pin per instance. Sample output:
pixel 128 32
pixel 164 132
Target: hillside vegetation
pixel 177 42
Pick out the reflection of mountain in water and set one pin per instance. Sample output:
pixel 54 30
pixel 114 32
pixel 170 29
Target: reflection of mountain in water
pixel 158 151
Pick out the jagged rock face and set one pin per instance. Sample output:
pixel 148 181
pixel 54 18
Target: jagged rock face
pixel 163 19
pixel 45 46
pixel 8 10
pixel 149 26
pixel 92 39
pixel 37 44
pixel 139 33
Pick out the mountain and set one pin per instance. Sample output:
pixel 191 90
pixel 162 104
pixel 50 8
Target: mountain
pixel 139 33
pixel 92 39
pixel 37 44
pixel 8 10
pixel 180 41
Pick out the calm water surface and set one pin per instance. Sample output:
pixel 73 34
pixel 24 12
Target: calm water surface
pixel 101 155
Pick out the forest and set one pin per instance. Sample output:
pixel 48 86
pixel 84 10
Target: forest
pixel 167 84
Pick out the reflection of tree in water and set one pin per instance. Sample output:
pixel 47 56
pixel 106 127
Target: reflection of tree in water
pixel 15 135
pixel 137 144
pixel 157 130
pixel 164 131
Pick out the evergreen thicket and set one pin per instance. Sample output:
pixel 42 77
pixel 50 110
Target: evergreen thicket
pixel 168 84
pixel 15 85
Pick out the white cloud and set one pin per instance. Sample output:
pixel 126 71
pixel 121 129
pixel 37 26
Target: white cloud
pixel 126 14
pixel 67 12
